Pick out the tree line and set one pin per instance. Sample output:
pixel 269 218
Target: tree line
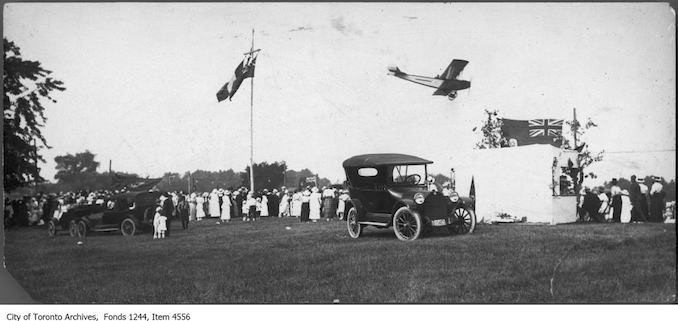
pixel 79 172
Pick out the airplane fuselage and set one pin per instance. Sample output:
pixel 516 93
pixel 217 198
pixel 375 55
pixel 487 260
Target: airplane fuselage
pixel 451 84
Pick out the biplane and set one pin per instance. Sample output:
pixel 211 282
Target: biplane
pixel 445 84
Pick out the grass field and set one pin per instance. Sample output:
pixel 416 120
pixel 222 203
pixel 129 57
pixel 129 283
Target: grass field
pixel 263 262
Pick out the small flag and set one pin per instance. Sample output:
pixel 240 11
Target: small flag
pixel 244 70
pixel 535 131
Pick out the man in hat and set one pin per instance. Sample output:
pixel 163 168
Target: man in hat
pixel 183 210
pixel 616 203
pixel 637 214
pixel 644 192
pixel 167 210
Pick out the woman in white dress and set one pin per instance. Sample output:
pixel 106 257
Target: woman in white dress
pixel 625 216
pixel 200 208
pixel 226 207
pixel 264 203
pixel 314 206
pixel 192 209
pixel 214 204
pixel 296 204
pixel 284 204
pixel 343 197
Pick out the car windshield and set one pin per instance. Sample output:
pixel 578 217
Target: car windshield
pixel 409 174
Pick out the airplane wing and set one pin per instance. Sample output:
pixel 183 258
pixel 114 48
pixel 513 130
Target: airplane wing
pixel 454 69
pixel 443 90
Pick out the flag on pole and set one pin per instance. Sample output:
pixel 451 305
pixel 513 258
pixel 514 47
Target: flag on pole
pixel 535 131
pixel 244 70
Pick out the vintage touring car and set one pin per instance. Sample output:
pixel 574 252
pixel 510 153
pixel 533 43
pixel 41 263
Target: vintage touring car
pixel 128 213
pixel 393 190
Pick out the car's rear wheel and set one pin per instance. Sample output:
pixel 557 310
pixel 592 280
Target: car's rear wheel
pixel 465 221
pixel 407 224
pixel 52 227
pixel 82 229
pixel 128 227
pixel 72 229
pixel 354 228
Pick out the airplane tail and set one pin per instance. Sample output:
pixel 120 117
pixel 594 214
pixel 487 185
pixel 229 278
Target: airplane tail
pixel 394 70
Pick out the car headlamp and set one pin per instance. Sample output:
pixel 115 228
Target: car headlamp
pixel 454 197
pixel 419 198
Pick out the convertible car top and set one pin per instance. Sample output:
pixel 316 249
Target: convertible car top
pixel 384 159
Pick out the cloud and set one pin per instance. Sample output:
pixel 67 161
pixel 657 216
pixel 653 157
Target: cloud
pixel 302 28
pixel 339 25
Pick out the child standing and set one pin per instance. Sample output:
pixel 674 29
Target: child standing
pixel 156 222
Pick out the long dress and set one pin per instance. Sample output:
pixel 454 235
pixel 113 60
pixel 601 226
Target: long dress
pixel 329 204
pixel 264 205
pixel 656 207
pixel 314 206
pixel 200 209
pixel 625 209
pixel 284 205
pixel 214 205
pixel 342 205
pixel 226 208
pixel 296 204
pixel 305 208
pixel 273 203
pixel 192 210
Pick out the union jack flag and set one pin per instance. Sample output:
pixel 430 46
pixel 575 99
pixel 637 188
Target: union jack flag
pixel 545 127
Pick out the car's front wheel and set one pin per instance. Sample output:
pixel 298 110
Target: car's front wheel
pixel 52 227
pixel 82 229
pixel 128 227
pixel 407 224
pixel 354 228
pixel 465 221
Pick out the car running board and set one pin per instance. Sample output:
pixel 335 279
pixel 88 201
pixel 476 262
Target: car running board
pixel 374 223
pixel 105 229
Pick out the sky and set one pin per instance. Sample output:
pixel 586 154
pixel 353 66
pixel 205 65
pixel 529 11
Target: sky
pixel 141 80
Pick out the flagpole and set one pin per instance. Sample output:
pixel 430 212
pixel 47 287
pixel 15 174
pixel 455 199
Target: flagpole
pixel 252 124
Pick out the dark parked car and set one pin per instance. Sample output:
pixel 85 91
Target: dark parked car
pixel 128 213
pixel 392 190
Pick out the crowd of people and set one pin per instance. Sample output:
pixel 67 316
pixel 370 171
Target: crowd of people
pixel 309 204
pixel 39 209
pixel 640 203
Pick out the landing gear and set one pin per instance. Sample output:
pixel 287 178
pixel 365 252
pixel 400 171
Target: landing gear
pixel 452 95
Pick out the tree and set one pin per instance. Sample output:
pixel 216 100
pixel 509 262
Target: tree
pixel 492 136
pixel 266 175
pixel 205 181
pixel 585 157
pixel 23 116
pixel 71 168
